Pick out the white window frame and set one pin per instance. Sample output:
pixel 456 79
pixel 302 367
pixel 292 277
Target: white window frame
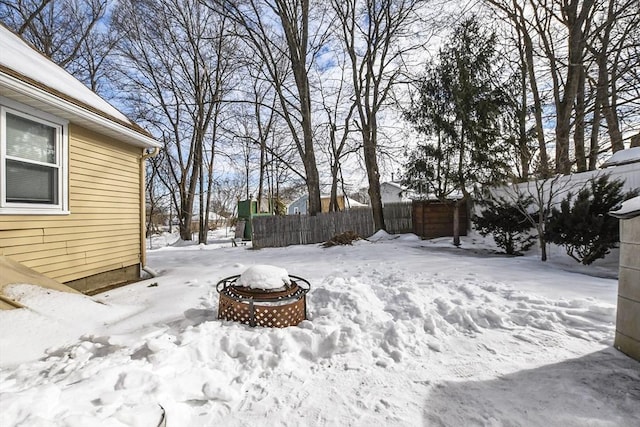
pixel 62 160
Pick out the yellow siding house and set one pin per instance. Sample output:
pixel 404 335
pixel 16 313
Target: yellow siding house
pixel 71 175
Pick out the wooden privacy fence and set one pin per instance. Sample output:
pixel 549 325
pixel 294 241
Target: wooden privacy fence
pixel 398 218
pixel 279 231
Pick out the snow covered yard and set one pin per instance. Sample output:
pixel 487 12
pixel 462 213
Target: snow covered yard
pixel 401 332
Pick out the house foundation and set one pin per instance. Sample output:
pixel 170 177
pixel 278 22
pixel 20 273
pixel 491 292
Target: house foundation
pixel 108 280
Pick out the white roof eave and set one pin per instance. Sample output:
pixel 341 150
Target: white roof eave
pixel 75 113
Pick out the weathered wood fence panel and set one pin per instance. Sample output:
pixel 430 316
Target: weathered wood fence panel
pixel 398 218
pixel 276 231
pixel 279 231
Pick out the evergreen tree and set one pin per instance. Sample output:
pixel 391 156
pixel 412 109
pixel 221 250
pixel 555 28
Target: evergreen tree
pixel 583 225
pixel 504 220
pixel 458 107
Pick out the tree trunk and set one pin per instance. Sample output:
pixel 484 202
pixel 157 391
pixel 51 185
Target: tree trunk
pixel 595 131
pixel 188 198
pixel 214 137
pixel 334 162
pixel 543 246
pixel 203 225
pixel 333 201
pixel 313 184
pixel 373 175
pixel 516 14
pixel 456 223
pixel 185 221
pixel 605 84
pixel 578 134
pixel 370 31
pixel 574 21
pixel 523 146
pixel 262 172
pixel 635 140
pixel 540 227
pixel 537 106
pixel 563 128
pixel 613 126
pixel 297 39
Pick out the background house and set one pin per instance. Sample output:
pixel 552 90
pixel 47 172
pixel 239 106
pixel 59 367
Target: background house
pixel 214 221
pixel 300 206
pixel 72 176
pixel 393 192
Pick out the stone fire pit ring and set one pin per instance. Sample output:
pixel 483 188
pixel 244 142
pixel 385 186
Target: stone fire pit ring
pixel 271 308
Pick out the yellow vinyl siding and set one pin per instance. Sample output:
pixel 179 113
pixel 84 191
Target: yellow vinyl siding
pixel 103 171
pixel 96 200
pixel 13 238
pixel 44 265
pixel 87 176
pixel 80 187
pixel 102 232
pixel 32 252
pixel 22 240
pixel 73 220
pixel 42 256
pixel 84 239
pixel 95 157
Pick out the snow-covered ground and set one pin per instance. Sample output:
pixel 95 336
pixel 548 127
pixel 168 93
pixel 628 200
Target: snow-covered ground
pixel 401 332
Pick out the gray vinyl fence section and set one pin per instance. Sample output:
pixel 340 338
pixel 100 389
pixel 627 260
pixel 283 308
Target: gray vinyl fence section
pixel 280 231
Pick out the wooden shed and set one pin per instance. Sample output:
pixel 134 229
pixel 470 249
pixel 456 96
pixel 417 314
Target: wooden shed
pixel 71 175
pixel 628 315
pixel 434 218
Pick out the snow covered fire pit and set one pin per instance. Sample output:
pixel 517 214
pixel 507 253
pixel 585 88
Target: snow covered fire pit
pixel 263 295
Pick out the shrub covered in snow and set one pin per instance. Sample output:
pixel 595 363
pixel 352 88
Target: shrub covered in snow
pixel 583 226
pixel 506 223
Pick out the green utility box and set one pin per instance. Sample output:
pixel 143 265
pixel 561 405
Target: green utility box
pixel 246 209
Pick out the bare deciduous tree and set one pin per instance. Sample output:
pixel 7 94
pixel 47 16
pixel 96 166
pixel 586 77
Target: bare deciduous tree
pixel 375 35
pixel 67 31
pixel 169 63
pixel 586 52
pixel 615 53
pixel 339 110
pixel 295 41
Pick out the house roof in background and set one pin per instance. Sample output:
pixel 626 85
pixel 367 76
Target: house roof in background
pixel 394 184
pixel 29 77
pixel 354 203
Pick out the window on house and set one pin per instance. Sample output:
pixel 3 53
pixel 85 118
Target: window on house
pixel 32 156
